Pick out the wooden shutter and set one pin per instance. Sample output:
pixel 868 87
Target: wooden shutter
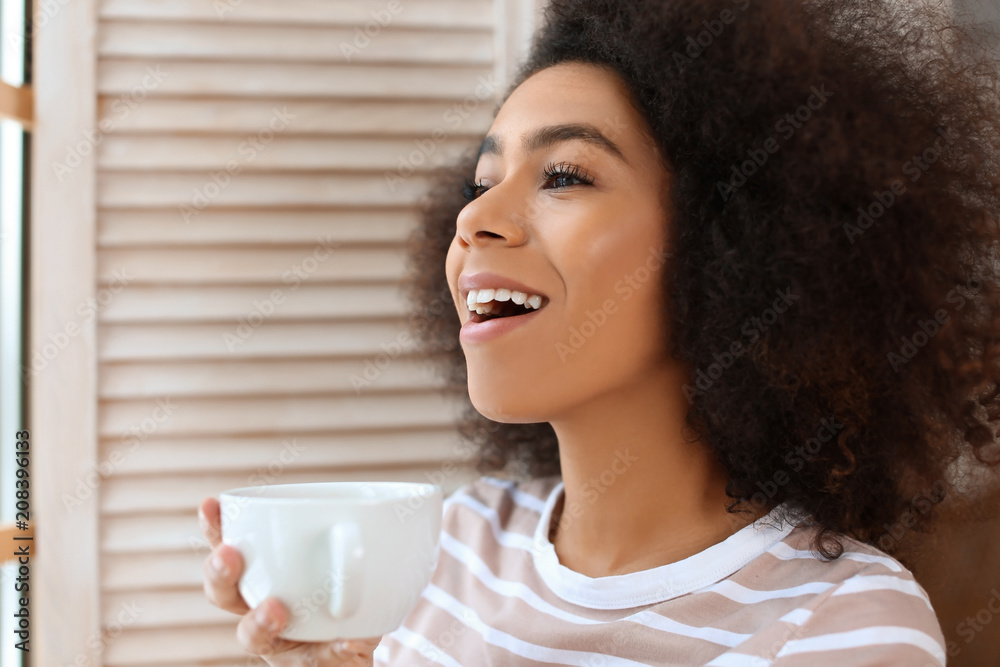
pixel 254 190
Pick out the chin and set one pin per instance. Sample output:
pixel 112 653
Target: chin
pixel 505 413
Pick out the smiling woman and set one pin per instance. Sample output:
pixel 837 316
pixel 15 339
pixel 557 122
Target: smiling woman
pixel 698 445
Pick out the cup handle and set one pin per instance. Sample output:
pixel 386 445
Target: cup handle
pixel 346 554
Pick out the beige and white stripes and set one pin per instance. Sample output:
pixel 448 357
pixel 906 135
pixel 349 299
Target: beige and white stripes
pixel 500 596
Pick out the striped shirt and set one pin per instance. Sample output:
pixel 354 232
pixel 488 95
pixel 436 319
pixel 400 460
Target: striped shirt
pixel 500 596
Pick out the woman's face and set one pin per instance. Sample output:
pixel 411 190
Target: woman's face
pixel 591 244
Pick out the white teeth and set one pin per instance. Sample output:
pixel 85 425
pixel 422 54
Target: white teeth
pixel 485 300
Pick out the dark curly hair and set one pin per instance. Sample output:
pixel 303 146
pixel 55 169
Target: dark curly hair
pixel 835 159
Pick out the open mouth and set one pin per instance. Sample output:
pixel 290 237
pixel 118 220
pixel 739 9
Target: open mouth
pixel 503 309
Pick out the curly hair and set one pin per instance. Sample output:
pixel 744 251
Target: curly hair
pixel 833 279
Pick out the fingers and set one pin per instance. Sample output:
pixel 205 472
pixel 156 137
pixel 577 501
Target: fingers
pixel 258 630
pixel 222 569
pixel 209 520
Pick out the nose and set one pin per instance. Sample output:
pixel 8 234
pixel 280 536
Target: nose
pixel 494 218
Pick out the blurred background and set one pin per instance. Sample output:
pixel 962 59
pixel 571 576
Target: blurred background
pixel 203 205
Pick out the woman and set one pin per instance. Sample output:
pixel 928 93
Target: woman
pixel 724 278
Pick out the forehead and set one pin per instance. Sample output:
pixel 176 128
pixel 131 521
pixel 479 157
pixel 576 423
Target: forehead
pixel 572 93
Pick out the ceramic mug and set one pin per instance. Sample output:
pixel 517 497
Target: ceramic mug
pixel 348 559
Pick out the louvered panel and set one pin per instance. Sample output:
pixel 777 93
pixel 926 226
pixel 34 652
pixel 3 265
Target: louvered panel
pixel 277 414
pixel 307 80
pixel 156 454
pixel 198 192
pixel 255 189
pixel 253 227
pixel 278 43
pixel 385 372
pixel 235 304
pixel 455 14
pixel 280 267
pixel 390 117
pixel 295 153
pixel 136 342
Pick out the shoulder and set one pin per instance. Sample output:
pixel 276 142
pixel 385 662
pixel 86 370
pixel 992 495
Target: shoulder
pixel 865 607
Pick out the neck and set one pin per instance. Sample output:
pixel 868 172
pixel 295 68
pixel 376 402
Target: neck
pixel 637 493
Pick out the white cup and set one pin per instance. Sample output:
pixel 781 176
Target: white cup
pixel 348 559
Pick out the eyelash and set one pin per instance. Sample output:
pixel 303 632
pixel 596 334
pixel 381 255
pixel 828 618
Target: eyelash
pixel 473 190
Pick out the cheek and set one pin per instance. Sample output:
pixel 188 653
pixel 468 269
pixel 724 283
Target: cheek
pixel 614 288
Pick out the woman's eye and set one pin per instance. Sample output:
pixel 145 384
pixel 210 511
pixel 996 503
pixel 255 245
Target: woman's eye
pixel 562 175
pixel 472 190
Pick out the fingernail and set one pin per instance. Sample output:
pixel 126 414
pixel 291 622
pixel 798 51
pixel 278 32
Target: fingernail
pixel 220 566
pixel 265 619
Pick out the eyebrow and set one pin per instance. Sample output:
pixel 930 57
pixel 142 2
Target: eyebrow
pixel 549 135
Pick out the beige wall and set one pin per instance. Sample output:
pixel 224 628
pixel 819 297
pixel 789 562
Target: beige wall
pixel 222 193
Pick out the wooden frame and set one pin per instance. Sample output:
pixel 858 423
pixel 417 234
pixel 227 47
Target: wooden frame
pixel 62 397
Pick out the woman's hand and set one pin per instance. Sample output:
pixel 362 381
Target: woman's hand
pixel 258 629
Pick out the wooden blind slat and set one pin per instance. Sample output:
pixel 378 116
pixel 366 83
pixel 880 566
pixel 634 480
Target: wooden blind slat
pixel 256 227
pixel 382 447
pixel 306 80
pixel 279 43
pixel 455 14
pixel 237 304
pixel 191 193
pixel 279 267
pixel 280 376
pixel 142 342
pixel 209 116
pixel 280 153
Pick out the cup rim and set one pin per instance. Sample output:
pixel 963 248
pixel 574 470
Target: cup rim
pixel 258 493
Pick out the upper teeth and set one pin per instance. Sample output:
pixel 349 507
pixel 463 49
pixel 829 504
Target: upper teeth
pixel 484 301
